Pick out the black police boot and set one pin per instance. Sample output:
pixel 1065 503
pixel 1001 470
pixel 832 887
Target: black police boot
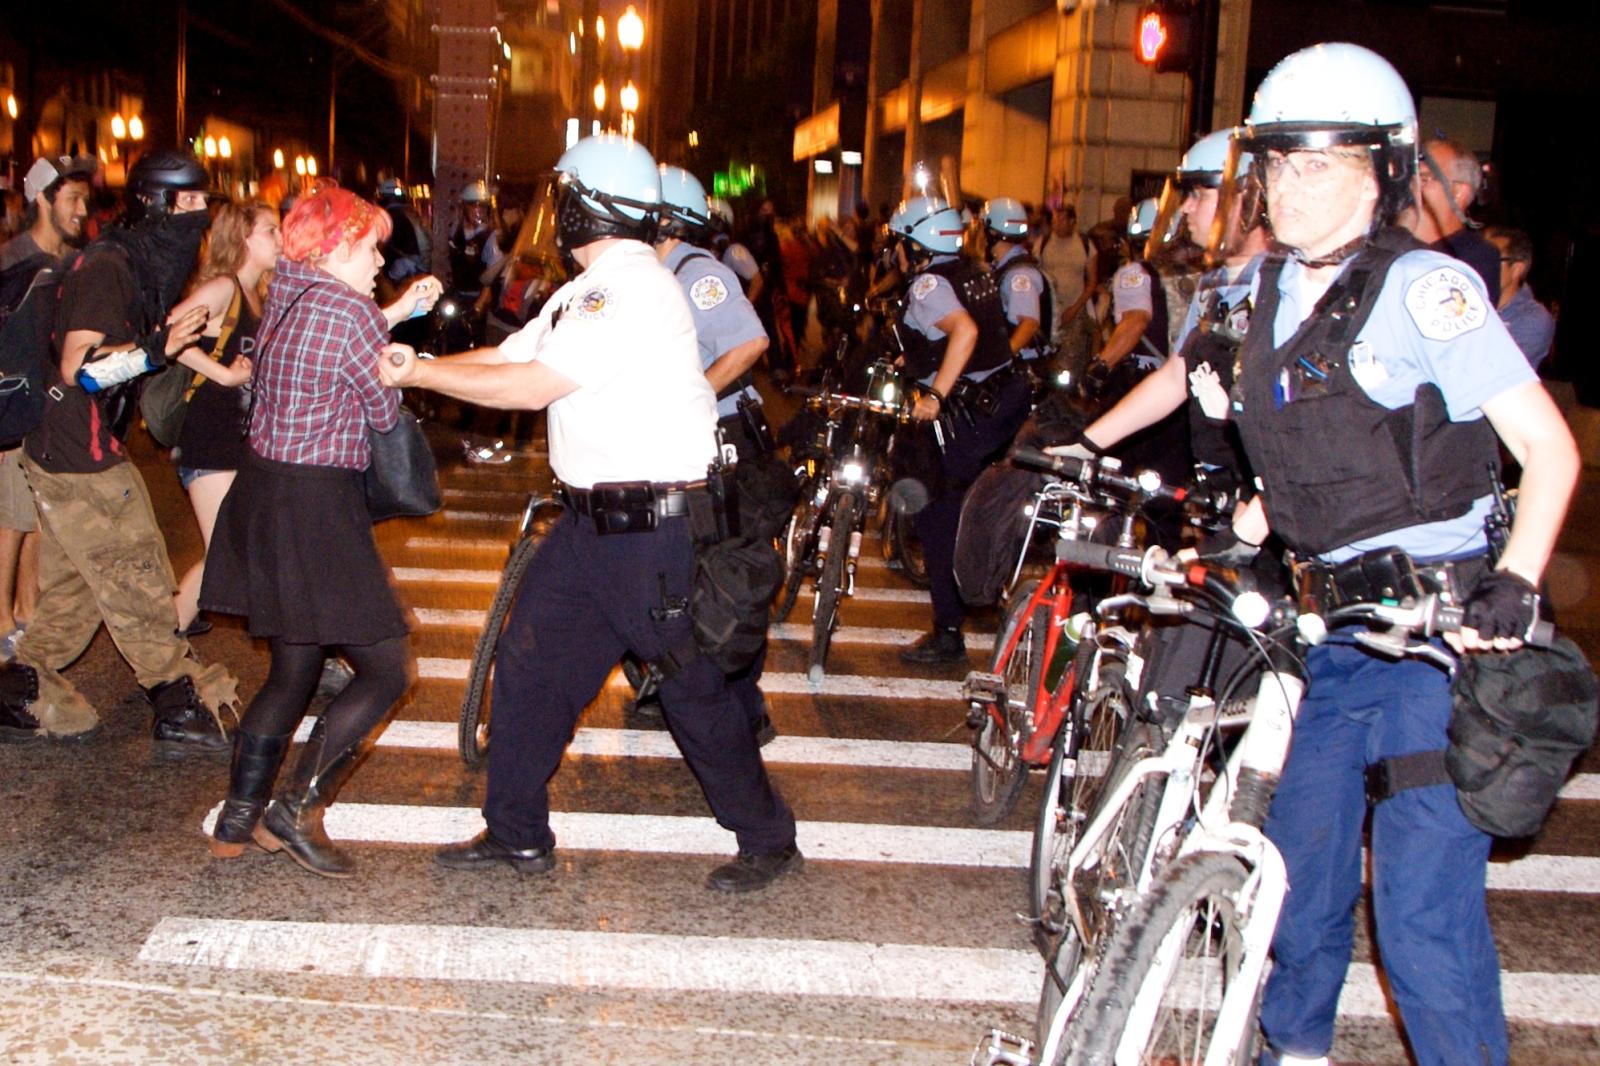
pixel 486 849
pixel 939 646
pixel 19 690
pixel 255 767
pixel 751 873
pixel 183 721
pixel 293 823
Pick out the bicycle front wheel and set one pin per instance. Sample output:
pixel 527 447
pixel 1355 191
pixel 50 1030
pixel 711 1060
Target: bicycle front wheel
pixel 1157 994
pixel 472 735
pixel 998 772
pixel 831 586
pixel 799 551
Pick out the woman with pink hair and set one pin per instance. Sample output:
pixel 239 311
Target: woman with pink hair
pixel 293 548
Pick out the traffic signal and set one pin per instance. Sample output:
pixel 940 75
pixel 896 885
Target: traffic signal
pixel 1166 35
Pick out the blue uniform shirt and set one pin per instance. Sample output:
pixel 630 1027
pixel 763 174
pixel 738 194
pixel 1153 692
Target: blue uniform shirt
pixel 928 300
pixel 1432 323
pixel 1233 287
pixel 723 318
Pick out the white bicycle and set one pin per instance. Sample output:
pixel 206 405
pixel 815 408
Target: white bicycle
pixel 1179 978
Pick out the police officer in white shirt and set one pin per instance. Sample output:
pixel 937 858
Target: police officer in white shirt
pixel 614 360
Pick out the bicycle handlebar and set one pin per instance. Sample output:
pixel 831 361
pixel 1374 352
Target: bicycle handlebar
pixel 1097 472
pixel 1427 616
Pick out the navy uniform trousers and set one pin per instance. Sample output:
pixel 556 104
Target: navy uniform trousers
pixel 974 446
pixel 584 601
pixel 1428 868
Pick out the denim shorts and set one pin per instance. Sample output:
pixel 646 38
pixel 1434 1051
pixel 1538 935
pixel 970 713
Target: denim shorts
pixel 187 475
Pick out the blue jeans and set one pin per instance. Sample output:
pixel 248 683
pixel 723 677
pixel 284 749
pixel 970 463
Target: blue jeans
pixel 1428 864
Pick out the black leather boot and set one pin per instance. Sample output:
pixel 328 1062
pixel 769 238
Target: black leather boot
pixel 293 823
pixel 19 691
pixel 183 721
pixel 255 767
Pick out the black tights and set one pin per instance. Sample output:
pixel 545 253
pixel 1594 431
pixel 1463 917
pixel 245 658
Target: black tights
pixel 380 680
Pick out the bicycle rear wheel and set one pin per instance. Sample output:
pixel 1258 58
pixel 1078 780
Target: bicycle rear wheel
pixel 907 547
pixel 998 772
pixel 799 547
pixel 472 735
pixel 831 585
pixel 1157 994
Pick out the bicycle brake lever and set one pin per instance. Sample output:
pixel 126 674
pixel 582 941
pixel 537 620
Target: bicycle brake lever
pixel 1393 645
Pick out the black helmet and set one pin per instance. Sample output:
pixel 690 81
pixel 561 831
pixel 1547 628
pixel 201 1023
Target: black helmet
pixel 156 179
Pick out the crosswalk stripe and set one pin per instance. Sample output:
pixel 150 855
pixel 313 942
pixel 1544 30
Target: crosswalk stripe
pixel 580 958
pixel 867 560
pixel 458 515
pixel 772 683
pixel 589 959
pixel 482 576
pixel 658 744
pixel 913 845
pixel 453 618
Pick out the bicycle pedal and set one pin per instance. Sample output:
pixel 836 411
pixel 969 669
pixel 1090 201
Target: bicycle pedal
pixel 1000 1048
pixel 982 687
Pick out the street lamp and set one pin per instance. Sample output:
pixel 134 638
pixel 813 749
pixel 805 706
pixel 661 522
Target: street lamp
pixel 209 145
pixel 225 148
pixel 11 104
pixel 277 159
pixel 629 98
pixel 630 30
pixel 599 96
pixel 311 165
pixel 119 128
pixel 300 165
pixel 136 128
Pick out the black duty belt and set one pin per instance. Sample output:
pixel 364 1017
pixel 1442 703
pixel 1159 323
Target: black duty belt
pixel 632 506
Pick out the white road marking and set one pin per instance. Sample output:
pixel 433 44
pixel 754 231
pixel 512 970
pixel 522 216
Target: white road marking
pixel 897 688
pixel 730 965
pixel 587 959
pixel 658 744
pixel 438 617
pixel 913 845
pixel 659 834
pixel 867 561
pixel 482 576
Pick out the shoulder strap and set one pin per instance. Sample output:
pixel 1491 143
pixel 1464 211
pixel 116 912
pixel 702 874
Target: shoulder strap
pixel 697 254
pixel 230 322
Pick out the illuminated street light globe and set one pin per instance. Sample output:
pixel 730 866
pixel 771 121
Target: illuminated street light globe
pixel 599 96
pixel 119 128
pixel 630 29
pixel 136 128
pixel 630 98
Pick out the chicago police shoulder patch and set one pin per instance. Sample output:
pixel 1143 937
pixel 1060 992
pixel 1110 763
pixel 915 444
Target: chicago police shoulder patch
pixel 595 303
pixel 1444 304
pixel 708 292
pixel 1020 282
pixel 1131 277
pixel 923 286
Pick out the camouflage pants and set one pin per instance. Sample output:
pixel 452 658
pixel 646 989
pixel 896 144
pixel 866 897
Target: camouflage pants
pixel 102 558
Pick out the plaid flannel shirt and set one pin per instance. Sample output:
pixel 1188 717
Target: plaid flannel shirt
pixel 316 371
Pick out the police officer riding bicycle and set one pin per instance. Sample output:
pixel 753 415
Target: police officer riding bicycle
pixel 632 424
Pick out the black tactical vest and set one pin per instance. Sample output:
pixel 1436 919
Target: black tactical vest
pixel 1155 342
pixel 1335 465
pixel 980 298
pixel 1215 342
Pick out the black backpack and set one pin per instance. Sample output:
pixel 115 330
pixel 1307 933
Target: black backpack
pixel 29 294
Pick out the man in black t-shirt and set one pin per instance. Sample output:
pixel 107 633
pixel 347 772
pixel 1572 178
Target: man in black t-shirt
pixel 102 556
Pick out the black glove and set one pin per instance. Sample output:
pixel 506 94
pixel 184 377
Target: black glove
pixel 154 344
pixel 1503 605
pixel 1225 548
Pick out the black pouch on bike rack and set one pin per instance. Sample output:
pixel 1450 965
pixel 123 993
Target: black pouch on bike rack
pixel 623 507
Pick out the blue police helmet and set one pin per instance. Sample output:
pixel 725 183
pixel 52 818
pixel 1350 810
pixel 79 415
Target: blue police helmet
pixel 608 187
pixel 1005 218
pixel 929 222
pixel 685 211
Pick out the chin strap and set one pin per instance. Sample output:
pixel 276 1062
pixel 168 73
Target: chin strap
pixel 1333 258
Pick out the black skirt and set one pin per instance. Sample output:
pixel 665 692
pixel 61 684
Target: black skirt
pixel 293 552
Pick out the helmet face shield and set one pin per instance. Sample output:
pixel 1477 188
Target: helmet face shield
pixel 1241 207
pixel 1169 231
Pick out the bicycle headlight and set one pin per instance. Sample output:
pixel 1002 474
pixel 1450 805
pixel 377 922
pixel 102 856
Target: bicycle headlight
pixel 852 473
pixel 888 392
pixel 1251 608
pixel 449 308
pixel 1149 482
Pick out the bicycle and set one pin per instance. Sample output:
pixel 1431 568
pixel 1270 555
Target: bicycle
pixel 1180 977
pixel 1019 706
pixel 472 734
pixel 843 479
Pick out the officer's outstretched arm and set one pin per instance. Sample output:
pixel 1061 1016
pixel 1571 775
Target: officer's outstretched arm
pixel 1125 337
pixel 735 361
pixel 1533 430
pixel 1153 399
pixel 528 386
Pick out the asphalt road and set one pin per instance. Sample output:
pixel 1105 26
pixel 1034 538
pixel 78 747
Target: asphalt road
pixel 123 940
